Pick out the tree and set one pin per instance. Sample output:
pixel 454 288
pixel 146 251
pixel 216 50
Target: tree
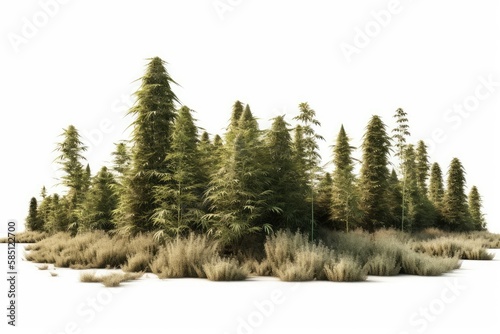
pixel 344 205
pixel 311 157
pixel 233 127
pixel 436 187
pixel 71 155
pixel 284 182
pixel 44 209
pixel 423 166
pixel 58 215
pixel 121 160
pixel 456 211
pixel 475 204
pixel 395 200
pixel 401 132
pixel 100 202
pixel 375 174
pixel 154 114
pixel 237 194
pixel 179 199
pixel 33 221
pixel 323 200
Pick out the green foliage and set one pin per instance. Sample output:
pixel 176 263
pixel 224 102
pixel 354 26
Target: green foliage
pixel 345 194
pixel 238 192
pixel 154 115
pixel 475 211
pixel 395 200
pixel 100 202
pixel 121 160
pixel 456 211
pixel 179 198
pixel 422 165
pixel 33 221
pixel 375 175
pixel 287 191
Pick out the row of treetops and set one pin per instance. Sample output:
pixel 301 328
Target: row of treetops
pixel 169 180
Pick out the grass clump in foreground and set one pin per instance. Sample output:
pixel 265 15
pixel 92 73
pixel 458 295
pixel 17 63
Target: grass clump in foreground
pixel 346 270
pixel 184 257
pixel 109 280
pixel 27 237
pixel 220 269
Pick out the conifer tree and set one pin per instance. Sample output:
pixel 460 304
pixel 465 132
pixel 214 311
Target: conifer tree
pixel 121 160
pixel 423 166
pixel 374 175
pixel 100 202
pixel 475 212
pixel 323 200
pixel 58 215
pixel 344 205
pixel 311 156
pixel 154 115
pixel 395 200
pixel 237 195
pixel 232 130
pixel 436 186
pixel 180 198
pixel 33 221
pixel 456 210
pixel 287 191
pixel 44 209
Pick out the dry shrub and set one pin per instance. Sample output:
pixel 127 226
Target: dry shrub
pixel 346 270
pixel 220 269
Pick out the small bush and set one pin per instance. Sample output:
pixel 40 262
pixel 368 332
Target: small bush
pixel 454 247
pixel 112 280
pixel 109 280
pixel 252 266
pixel 346 270
pixel 224 270
pixel 27 237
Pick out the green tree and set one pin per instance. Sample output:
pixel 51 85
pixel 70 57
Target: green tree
pixel 475 212
pixel 310 148
pixel 237 194
pixel 323 200
pixel 395 200
pixel 233 127
pixel 100 202
pixel 71 155
pixel 179 198
pixel 58 214
pixel 33 221
pixel 401 132
pixel 344 205
pixel 154 115
pixel 374 175
pixel 44 208
pixel 121 160
pixel 456 211
pixel 423 166
pixel 436 186
pixel 287 191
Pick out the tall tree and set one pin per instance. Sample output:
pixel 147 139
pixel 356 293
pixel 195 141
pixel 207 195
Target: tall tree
pixel 237 195
pixel 323 200
pixel 423 166
pixel 401 132
pixel 179 198
pixel 307 116
pixel 436 186
pixel 456 210
pixel 33 221
pixel 344 205
pixel 100 202
pixel 58 215
pixel 154 114
pixel 233 127
pixel 71 156
pixel 375 174
pixel 287 190
pixel 476 214
pixel 395 200
pixel 121 160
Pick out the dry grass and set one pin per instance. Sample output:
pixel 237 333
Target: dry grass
pixel 346 270
pixel 27 237
pixel 184 257
pixel 467 249
pixel 426 265
pixel 220 269
pixel 109 280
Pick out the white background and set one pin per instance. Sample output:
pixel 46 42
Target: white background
pixel 78 66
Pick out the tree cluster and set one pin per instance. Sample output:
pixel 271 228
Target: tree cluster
pixel 170 179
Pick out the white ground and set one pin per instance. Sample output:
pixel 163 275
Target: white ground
pixel 464 301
